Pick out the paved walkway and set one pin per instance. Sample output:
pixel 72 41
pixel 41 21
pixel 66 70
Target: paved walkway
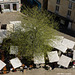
pixel 5 18
pixel 41 71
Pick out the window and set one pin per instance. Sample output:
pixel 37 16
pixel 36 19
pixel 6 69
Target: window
pixel 7 6
pixel 58 2
pixel 14 7
pixel 57 9
pixel 70 5
pixel 69 13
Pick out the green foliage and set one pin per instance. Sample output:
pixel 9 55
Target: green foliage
pixel 37 28
pixel 43 17
pixel 6 44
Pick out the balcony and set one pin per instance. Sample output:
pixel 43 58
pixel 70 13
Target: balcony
pixel 57 12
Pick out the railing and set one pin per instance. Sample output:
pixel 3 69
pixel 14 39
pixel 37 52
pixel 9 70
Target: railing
pixel 57 12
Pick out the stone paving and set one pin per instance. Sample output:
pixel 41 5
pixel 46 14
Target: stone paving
pixel 41 71
pixel 5 18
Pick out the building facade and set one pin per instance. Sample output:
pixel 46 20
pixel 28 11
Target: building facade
pixel 44 3
pixel 63 8
pixel 10 5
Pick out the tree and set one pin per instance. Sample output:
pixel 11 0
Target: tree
pixel 36 28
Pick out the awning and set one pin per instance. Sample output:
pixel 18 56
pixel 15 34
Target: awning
pixel 16 24
pixel 1 39
pixel 57 43
pixel 2 64
pixel 64 61
pixel 3 33
pixel 15 62
pixel 61 47
pixel 73 54
pixel 53 56
pixel 68 43
pixel 10 27
pixel 39 58
pixel 14 50
pixel 62 43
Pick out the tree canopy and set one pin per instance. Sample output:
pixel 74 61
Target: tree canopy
pixel 37 28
